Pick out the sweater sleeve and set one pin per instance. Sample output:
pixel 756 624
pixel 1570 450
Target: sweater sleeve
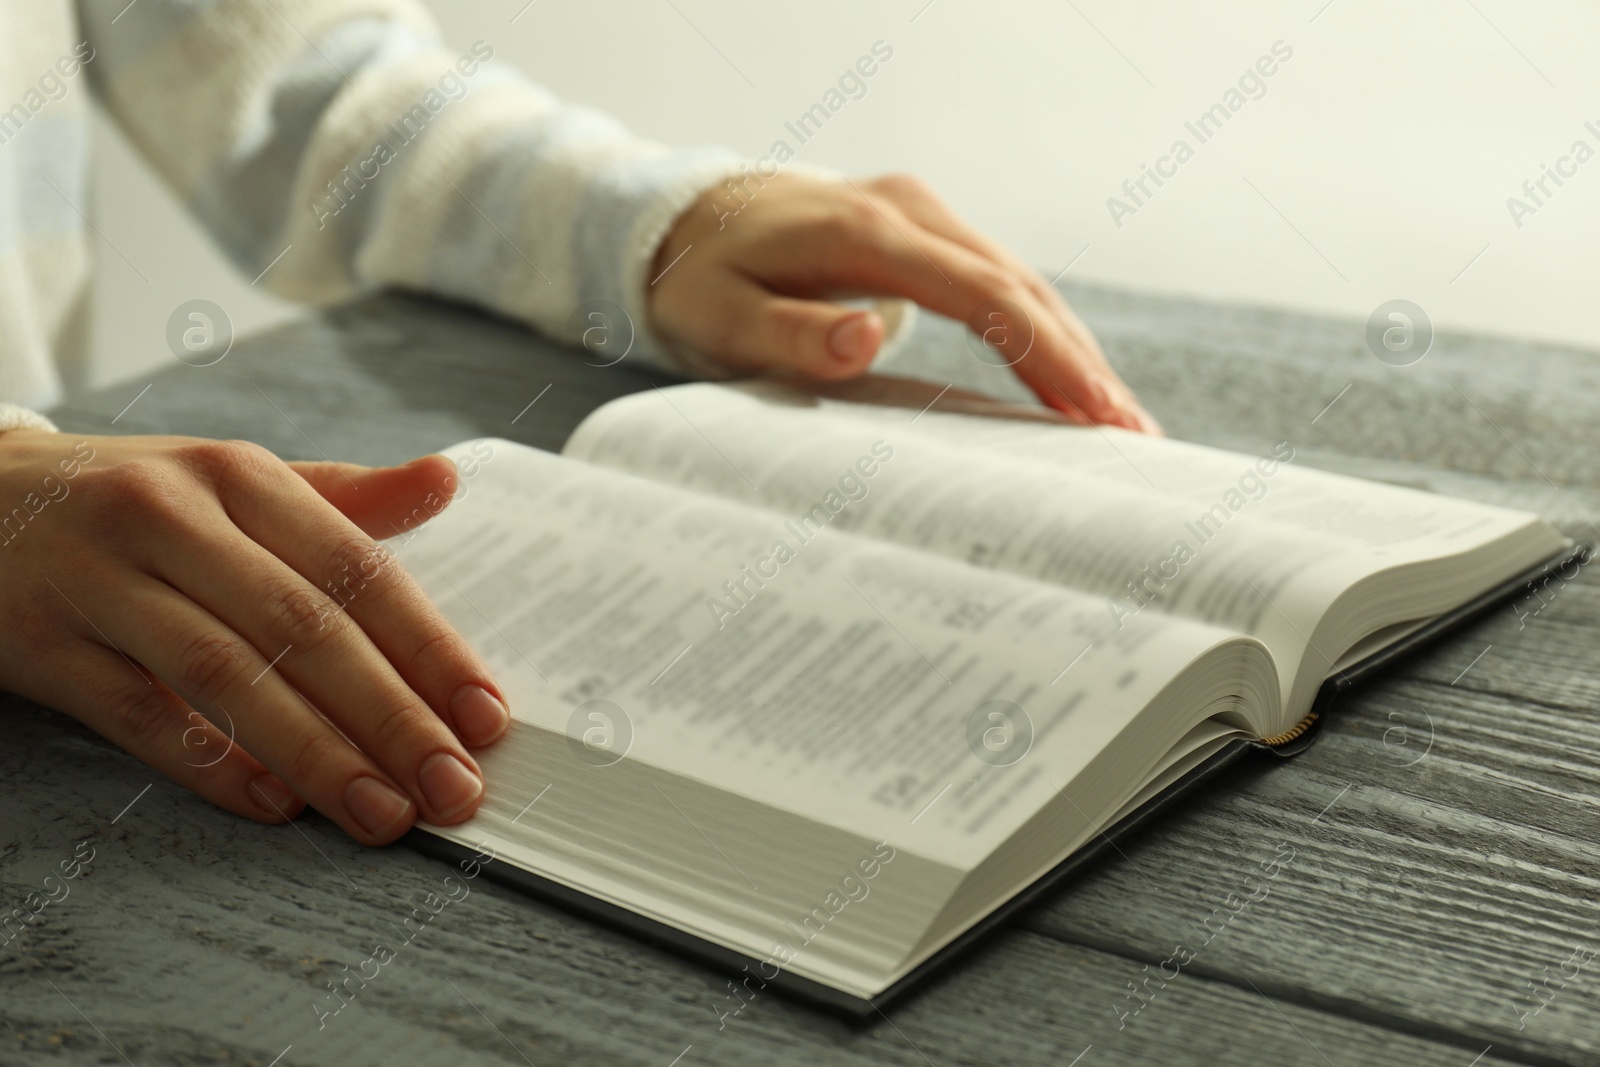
pixel 332 146
pixel 16 417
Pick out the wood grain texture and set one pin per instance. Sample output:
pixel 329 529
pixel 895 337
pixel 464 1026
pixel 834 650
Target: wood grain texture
pixel 1424 898
pixel 197 938
pixel 1414 909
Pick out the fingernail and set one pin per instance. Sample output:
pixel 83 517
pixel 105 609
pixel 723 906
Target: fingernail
pixel 375 805
pixel 449 784
pixel 271 795
pixel 478 717
pixel 853 339
pixel 1116 406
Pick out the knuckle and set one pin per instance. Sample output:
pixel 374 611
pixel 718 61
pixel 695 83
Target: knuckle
pixel 997 283
pixel 144 712
pixel 355 562
pixel 226 462
pixel 442 648
pixel 853 219
pixel 313 755
pixel 37 623
pixel 402 721
pixel 303 616
pixel 136 491
pixel 910 187
pixel 210 663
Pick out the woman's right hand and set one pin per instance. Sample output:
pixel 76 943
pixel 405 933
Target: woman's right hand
pixel 174 595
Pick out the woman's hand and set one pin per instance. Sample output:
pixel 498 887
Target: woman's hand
pixel 229 619
pixel 744 279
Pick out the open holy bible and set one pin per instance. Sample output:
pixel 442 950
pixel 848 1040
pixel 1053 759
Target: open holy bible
pixel 817 686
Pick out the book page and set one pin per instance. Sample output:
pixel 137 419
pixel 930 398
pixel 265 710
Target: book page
pixel 1147 526
pixel 894 694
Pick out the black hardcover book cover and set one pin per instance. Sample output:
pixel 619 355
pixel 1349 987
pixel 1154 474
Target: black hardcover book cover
pixel 860 1008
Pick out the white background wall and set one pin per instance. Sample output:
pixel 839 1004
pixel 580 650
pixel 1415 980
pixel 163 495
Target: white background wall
pixel 1381 156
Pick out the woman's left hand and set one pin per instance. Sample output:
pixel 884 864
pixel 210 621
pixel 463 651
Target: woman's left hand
pixel 746 281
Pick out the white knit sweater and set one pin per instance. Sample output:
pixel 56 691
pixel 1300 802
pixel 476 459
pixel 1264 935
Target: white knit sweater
pixel 336 141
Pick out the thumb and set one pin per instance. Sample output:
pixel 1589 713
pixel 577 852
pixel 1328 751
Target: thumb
pixel 761 331
pixel 814 337
pixel 384 501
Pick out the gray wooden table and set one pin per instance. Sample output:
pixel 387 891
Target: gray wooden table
pixel 1444 830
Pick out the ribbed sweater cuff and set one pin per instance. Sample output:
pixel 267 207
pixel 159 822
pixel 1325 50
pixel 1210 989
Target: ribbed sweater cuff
pixel 17 417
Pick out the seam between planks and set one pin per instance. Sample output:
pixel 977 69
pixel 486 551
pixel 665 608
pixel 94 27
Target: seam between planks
pixel 1339 1007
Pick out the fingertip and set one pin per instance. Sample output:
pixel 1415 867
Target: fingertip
pixel 479 717
pixel 1110 403
pixel 452 786
pixel 433 474
pixel 1097 405
pixel 292 811
pixel 435 465
pixel 1073 413
pixel 380 811
pixel 275 802
pixel 854 340
pixel 1080 409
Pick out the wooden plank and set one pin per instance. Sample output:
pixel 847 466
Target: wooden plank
pixel 377 382
pixel 197 938
pixel 1475 404
pixel 1442 856
pixel 1540 649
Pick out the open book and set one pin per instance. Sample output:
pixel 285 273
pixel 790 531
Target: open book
pixel 822 683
